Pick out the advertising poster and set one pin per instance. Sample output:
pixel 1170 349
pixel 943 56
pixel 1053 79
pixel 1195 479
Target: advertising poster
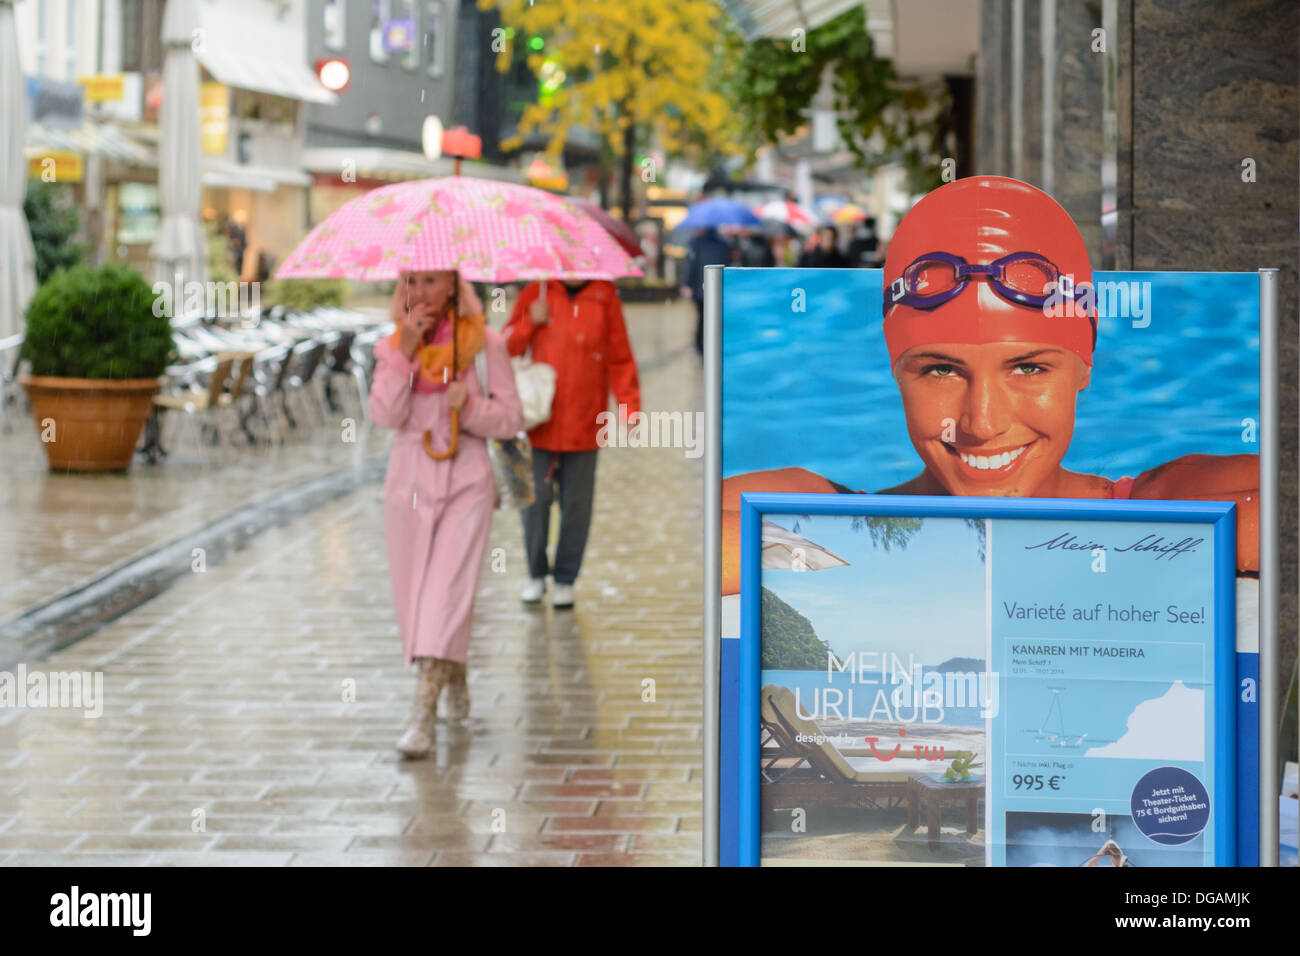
pixel 1001 366
pixel 944 689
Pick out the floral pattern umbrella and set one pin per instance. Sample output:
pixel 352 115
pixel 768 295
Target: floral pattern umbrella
pixel 487 230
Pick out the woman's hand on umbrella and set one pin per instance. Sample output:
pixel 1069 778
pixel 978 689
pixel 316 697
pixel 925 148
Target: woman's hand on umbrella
pixel 538 312
pixel 457 394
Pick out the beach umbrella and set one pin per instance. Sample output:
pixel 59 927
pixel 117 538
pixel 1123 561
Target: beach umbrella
pixel 786 551
pixel 486 230
pixel 716 213
pixel 790 213
pixel 180 251
pixel 17 257
pixel 849 214
pixel 621 231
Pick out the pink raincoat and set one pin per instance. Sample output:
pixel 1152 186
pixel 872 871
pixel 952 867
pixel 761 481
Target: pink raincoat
pixel 437 513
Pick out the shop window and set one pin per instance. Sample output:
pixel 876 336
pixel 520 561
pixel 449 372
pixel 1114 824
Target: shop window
pixel 70 40
pixel 336 18
pixel 433 42
pixel 408 11
pixel 380 13
pixel 42 37
pixel 142 35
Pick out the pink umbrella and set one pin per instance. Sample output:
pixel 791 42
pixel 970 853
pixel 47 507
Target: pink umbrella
pixel 488 231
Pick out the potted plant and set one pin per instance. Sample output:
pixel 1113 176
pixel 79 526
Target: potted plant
pixel 97 347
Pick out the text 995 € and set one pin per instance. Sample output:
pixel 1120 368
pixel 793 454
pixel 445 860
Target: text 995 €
pixel 1037 781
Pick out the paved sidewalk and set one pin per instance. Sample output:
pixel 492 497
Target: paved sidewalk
pixel 250 710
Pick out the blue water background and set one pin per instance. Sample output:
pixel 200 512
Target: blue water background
pixel 813 389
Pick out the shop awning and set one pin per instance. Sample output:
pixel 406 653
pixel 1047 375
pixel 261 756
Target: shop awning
pixel 397 164
pixel 227 175
pixel 248 71
pixel 92 139
pixel 778 18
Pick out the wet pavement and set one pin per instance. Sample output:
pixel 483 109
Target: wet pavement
pixel 250 709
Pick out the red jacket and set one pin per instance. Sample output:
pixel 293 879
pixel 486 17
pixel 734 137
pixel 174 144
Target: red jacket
pixel 586 343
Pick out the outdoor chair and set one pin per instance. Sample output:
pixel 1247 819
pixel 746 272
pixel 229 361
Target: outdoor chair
pixel 269 381
pixel 202 404
pixel 806 773
pixel 11 393
pixel 343 362
pixel 301 379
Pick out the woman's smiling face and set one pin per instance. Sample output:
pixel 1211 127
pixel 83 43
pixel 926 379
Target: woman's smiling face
pixel 993 419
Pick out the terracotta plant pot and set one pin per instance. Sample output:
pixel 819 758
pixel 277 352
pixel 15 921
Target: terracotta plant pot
pixel 89 424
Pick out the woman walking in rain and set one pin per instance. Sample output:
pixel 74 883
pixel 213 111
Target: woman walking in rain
pixel 439 492
pixel 577 328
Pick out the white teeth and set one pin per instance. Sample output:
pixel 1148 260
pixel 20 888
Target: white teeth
pixel 984 463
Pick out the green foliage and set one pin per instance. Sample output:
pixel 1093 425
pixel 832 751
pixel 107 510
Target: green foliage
pixel 97 323
pixel 303 295
pixel 52 226
pixel 960 768
pixel 789 641
pixel 880 120
pixel 219 267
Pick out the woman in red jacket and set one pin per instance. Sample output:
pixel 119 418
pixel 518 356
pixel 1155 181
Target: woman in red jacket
pixel 577 329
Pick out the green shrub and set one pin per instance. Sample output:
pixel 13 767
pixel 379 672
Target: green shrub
pixel 97 323
pixel 303 295
pixel 219 268
pixel 52 226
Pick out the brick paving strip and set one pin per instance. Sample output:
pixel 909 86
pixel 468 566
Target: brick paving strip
pixel 250 710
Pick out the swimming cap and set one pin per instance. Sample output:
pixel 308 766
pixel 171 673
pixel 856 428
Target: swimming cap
pixel 982 218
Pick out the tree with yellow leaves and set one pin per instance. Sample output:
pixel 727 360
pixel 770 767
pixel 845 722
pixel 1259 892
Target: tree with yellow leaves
pixel 637 72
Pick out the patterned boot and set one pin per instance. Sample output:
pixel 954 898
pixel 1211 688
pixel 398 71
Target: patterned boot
pixel 422 733
pixel 458 693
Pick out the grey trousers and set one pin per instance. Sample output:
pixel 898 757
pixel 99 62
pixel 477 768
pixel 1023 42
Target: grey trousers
pixel 575 474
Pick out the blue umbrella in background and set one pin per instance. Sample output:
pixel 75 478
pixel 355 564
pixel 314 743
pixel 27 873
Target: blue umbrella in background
pixel 714 214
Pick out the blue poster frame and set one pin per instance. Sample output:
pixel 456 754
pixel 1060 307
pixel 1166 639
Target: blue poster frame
pixel 1222 515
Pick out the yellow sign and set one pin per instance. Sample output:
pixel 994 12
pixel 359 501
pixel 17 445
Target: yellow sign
pixel 104 87
pixel 57 166
pixel 214 118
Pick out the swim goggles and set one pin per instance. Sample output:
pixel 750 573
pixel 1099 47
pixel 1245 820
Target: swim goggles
pixel 1025 278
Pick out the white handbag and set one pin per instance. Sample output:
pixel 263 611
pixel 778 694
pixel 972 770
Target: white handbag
pixel 535 383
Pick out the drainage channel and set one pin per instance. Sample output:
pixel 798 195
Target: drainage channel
pixel 69 617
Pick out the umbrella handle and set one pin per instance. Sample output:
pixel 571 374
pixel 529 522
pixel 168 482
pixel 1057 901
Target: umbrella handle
pixel 451 446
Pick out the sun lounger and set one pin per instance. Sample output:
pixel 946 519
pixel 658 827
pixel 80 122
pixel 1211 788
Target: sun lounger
pixel 797 772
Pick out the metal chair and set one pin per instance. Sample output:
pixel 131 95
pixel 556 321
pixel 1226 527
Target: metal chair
pixel 201 405
pixel 11 393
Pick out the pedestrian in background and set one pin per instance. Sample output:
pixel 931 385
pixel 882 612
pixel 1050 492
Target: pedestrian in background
pixel 756 252
pixel 577 328
pixel 437 512
pixel 706 248
pixel 823 251
pixel 863 252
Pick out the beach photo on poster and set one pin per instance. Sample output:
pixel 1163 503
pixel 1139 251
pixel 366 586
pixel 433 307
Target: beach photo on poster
pixel 873 684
